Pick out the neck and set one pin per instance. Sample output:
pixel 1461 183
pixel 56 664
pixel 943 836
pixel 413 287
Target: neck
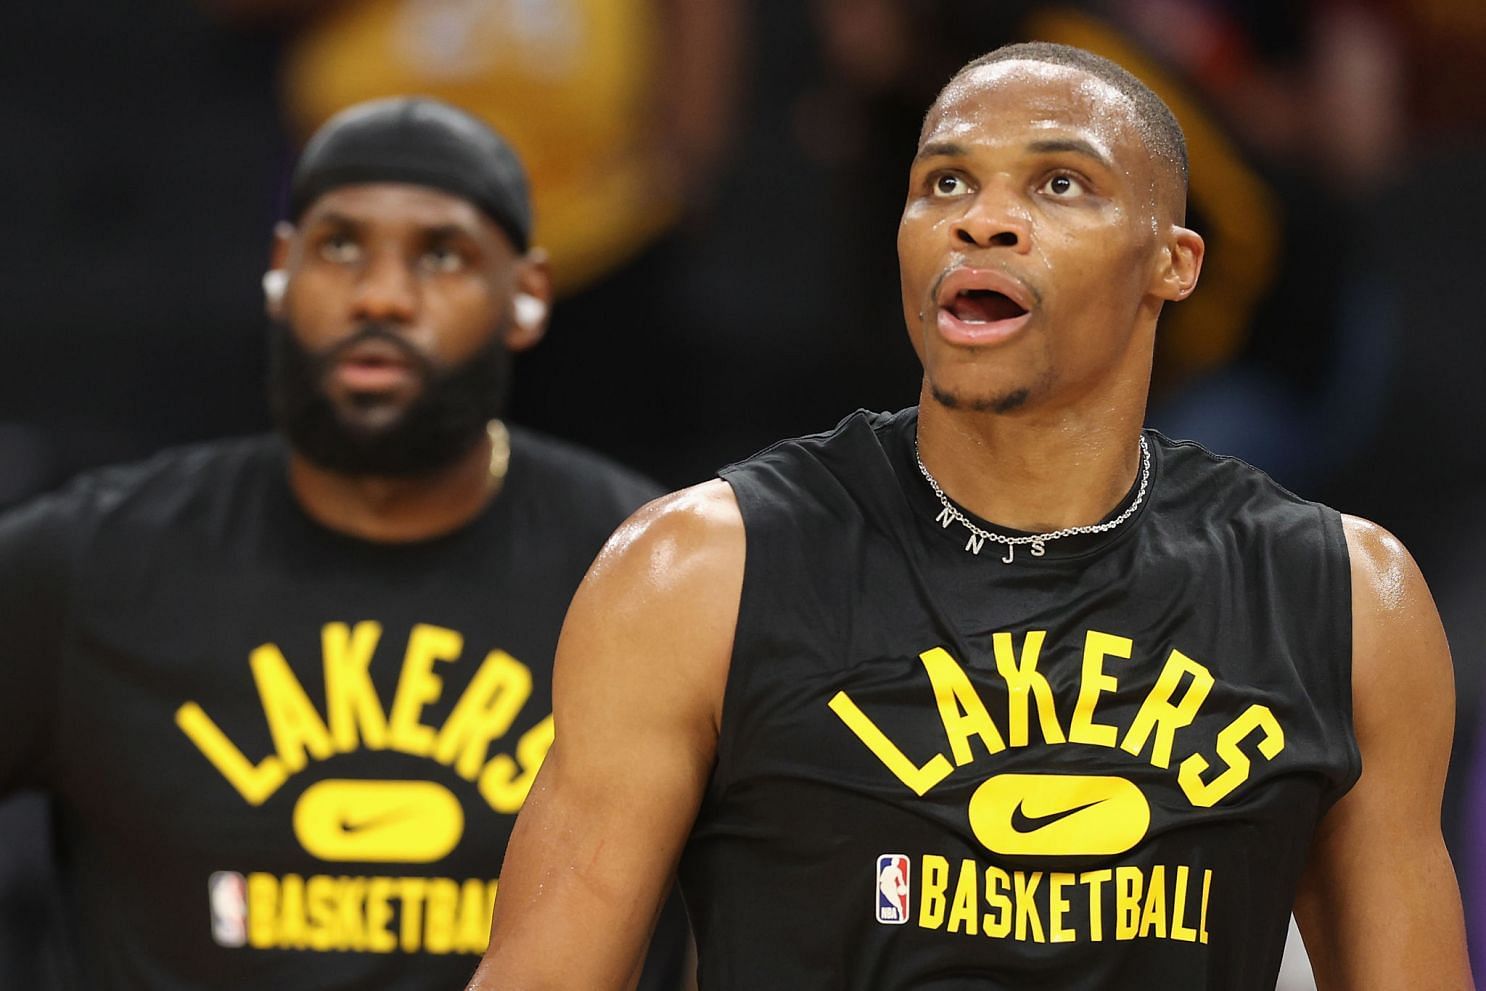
pixel 1038 470
pixel 395 510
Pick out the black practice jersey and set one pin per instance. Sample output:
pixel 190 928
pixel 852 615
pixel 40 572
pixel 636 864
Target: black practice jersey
pixel 1098 768
pixel 283 757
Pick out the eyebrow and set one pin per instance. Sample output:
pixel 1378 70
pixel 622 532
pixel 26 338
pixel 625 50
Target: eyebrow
pixel 432 234
pixel 333 219
pixel 1077 146
pixel 447 232
pixel 941 149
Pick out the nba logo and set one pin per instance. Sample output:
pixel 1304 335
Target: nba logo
pixel 227 892
pixel 892 889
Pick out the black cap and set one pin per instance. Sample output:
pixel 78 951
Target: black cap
pixel 421 141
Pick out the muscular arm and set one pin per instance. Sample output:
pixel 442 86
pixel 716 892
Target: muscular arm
pixel 1379 906
pixel 637 699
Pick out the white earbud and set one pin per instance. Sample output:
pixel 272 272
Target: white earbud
pixel 275 281
pixel 530 311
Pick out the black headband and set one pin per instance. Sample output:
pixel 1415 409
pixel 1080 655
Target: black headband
pixel 421 141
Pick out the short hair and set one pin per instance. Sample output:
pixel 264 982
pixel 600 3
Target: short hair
pixel 1158 126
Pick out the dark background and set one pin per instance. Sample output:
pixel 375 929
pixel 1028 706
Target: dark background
pixel 755 156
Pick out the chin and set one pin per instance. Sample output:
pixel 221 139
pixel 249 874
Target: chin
pixel 369 413
pixel 982 402
pixel 371 420
pixel 988 387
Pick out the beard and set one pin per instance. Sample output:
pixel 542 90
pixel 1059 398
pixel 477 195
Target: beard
pixel 1009 402
pixel 445 419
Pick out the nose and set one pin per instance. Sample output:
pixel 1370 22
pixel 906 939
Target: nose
pixel 386 290
pixel 994 219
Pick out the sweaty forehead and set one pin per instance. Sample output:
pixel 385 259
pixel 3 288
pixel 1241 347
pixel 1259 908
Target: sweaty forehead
pixel 994 101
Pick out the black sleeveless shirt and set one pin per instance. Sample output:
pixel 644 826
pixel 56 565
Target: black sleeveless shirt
pixel 1101 767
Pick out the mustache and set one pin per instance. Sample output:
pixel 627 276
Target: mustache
pixel 376 330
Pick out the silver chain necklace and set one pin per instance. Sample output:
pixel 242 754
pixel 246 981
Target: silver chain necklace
pixel 979 537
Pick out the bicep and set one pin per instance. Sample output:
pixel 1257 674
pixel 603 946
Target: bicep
pixel 1379 905
pixel 636 689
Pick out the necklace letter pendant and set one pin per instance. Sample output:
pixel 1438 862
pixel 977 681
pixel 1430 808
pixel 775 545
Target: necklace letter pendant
pixel 1038 550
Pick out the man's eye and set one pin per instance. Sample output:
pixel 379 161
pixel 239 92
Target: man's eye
pixel 1063 186
pixel 443 260
pixel 949 185
pixel 340 250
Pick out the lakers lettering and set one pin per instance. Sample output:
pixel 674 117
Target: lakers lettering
pixel 1211 772
pixel 354 716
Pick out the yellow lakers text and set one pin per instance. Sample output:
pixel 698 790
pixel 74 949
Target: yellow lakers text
pixel 1165 714
pixel 354 716
pixel 1114 903
pixel 369 914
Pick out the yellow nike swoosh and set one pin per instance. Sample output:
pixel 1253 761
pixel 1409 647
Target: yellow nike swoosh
pixel 411 822
pixel 1059 814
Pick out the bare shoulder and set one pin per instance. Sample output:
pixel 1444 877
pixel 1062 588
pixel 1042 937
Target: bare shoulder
pixel 673 540
pixel 1399 654
pixel 658 610
pixel 1380 560
pixel 1387 586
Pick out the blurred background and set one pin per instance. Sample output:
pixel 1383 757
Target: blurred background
pixel 719 183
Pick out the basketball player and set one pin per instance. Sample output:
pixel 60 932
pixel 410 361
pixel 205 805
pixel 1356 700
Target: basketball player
pixel 289 692
pixel 1117 703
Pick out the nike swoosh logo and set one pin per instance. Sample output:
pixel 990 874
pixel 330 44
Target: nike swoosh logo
pixel 998 814
pixel 349 825
pixel 1023 823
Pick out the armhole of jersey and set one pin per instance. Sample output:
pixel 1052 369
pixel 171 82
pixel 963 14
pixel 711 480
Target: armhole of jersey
pixel 745 491
pixel 762 484
pixel 1338 556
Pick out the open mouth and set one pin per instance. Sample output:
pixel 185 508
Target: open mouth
pixel 983 306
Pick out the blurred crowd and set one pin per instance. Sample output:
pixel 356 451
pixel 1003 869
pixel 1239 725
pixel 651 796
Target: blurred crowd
pixel 719 183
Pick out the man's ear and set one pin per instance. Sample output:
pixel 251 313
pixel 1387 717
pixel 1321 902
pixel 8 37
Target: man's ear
pixel 1180 263
pixel 276 279
pixel 531 301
